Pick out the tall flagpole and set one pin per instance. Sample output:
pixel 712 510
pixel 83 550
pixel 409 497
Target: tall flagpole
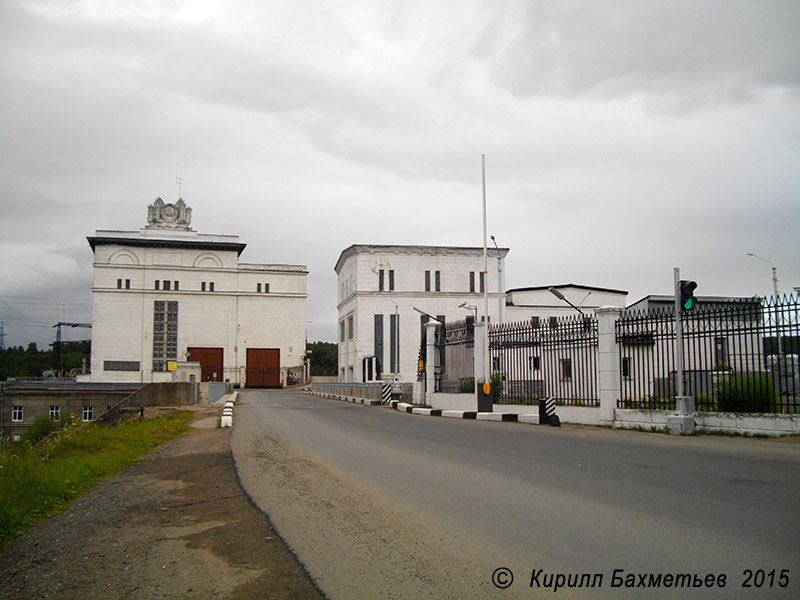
pixel 485 276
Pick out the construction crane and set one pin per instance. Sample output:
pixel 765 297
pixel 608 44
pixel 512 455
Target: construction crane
pixel 57 345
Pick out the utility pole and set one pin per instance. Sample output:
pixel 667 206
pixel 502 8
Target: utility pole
pixel 2 336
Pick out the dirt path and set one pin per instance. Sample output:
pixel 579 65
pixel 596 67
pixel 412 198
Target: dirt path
pixel 174 525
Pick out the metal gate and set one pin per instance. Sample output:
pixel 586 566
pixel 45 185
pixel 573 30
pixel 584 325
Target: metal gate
pixel 210 360
pixel 263 367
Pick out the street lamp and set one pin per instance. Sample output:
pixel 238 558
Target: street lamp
pixel 560 296
pixel 469 307
pixel 774 271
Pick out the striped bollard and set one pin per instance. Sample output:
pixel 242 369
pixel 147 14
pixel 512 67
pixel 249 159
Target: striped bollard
pixel 386 393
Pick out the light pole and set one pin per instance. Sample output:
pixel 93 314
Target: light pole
pixel 485 366
pixel 500 284
pixel 469 307
pixel 774 272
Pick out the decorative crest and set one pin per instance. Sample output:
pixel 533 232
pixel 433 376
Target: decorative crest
pixel 161 215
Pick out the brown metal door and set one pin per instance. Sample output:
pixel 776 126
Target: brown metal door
pixel 210 360
pixel 263 367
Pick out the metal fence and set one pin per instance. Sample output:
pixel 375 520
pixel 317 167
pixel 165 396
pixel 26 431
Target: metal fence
pixel 555 357
pixel 739 356
pixel 455 350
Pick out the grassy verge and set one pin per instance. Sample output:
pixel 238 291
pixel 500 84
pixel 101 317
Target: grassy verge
pixel 39 481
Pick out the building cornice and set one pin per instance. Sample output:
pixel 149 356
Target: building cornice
pixel 183 244
pixel 414 250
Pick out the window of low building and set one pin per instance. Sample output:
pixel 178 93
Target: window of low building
pixel 17 414
pixel 87 413
pixel 55 412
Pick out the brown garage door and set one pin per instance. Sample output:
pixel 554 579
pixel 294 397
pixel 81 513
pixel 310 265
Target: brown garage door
pixel 263 367
pixel 210 360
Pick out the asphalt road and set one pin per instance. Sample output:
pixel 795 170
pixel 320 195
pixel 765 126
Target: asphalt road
pixel 569 500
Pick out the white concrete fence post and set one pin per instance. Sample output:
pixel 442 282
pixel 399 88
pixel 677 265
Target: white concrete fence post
pixel 430 360
pixel 608 362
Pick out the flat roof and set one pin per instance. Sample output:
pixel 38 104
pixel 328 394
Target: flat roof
pixel 412 249
pixel 590 288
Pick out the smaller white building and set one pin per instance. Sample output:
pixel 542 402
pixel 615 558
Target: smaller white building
pixel 381 285
pixel 546 301
pixel 166 293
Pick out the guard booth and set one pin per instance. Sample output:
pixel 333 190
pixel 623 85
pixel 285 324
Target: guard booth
pixel 370 369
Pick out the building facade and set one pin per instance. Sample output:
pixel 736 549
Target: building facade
pixel 166 294
pixel 380 286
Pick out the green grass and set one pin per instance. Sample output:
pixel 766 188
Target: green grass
pixel 39 481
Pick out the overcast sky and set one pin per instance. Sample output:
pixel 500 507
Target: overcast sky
pixel 622 138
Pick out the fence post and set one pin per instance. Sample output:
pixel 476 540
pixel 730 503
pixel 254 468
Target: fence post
pixel 430 357
pixel 608 363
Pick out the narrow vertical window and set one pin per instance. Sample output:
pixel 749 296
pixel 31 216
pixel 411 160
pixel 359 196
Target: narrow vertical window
pixel 119 284
pixel 380 280
pixel 566 369
pixel 258 288
pixel 211 286
pixel 378 344
pixel 472 282
pixel 166 284
pixel 438 281
pixel 394 331
pixel 55 412
pixel 483 281
pixel 202 286
pixel 427 281
pixel 266 288
pixel 165 333
pixel 127 284
pixel 158 283
pixel 350 327
pixel 88 413
pixel 176 286
pixel 16 414
pixel 391 280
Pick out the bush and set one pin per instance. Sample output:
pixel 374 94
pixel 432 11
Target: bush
pixel 746 393
pixel 42 427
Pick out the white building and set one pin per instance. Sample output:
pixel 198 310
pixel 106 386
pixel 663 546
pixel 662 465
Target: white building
pixel 379 288
pixel 166 293
pixel 544 301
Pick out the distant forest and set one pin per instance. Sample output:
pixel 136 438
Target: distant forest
pixel 324 358
pixel 17 361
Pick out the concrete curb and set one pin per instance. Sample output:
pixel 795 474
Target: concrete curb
pixel 530 419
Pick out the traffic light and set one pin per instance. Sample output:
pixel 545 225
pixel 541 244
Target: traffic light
pixel 688 301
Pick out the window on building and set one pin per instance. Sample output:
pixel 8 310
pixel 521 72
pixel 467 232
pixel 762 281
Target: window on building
pixel 210 286
pixel 16 414
pixel 202 286
pixel 258 288
pixel 535 362
pixel 350 327
pixel 55 412
pixel 378 344
pixel 566 369
pixel 87 413
pixel 394 332
pixel 438 281
pixel 380 280
pixel 266 288
pixel 483 281
pixel 427 281
pixel 157 284
pixel 721 352
pixel 175 287
pixel 553 322
pixel 472 282
pixel 391 280
pixel 535 322
pixel 119 284
pixel 127 284
pixel 341 331
pixel 165 333
pixel 166 284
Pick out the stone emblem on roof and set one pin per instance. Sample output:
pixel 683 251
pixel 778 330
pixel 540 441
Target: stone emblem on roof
pixel 161 215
